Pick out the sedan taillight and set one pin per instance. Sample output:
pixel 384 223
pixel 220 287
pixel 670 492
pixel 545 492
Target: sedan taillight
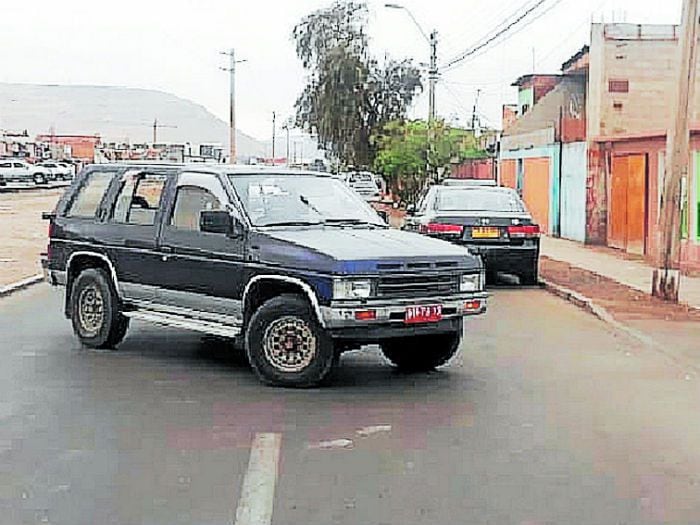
pixel 524 231
pixel 436 228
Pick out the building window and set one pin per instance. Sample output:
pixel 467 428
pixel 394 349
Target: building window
pixel 619 86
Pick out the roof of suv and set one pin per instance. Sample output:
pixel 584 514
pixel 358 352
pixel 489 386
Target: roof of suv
pixel 226 169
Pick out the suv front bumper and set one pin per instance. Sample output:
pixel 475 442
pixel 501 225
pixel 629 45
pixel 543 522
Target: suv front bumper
pixel 341 318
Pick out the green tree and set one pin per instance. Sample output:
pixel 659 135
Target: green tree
pixel 348 96
pixel 403 150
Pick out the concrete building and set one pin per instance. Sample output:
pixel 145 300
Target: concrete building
pixel 594 173
pixel 80 147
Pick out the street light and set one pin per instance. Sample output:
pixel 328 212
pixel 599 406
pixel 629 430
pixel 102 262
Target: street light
pixel 433 69
pixel 432 77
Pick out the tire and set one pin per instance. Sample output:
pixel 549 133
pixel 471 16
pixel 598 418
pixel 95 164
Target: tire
pixel 422 353
pixel 296 367
pixel 40 178
pixel 93 291
pixel 530 276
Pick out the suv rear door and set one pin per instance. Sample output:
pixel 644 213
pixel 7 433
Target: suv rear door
pixel 134 217
pixel 200 271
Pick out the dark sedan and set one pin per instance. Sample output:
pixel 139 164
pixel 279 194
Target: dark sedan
pixel 492 222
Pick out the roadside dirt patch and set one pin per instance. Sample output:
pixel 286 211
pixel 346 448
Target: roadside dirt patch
pixel 623 302
pixel 23 233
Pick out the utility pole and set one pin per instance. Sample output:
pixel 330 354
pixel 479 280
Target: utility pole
pixel 475 118
pixel 157 125
pixel 232 103
pixel 274 132
pixel 286 128
pixel 432 80
pixel 666 281
pixel 432 75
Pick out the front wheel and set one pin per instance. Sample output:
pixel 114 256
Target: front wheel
pixel 286 346
pixel 95 314
pixel 422 353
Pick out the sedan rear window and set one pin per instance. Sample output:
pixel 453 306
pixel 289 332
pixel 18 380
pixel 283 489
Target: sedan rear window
pixel 479 200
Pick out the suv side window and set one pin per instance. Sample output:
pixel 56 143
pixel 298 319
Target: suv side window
pixel 189 203
pixel 5 164
pixel 139 199
pixel 19 165
pixel 90 194
pixel 196 192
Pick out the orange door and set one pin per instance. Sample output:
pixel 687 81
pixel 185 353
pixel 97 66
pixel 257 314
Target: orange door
pixel 536 190
pixel 617 215
pixel 508 173
pixel 627 210
pixel 636 203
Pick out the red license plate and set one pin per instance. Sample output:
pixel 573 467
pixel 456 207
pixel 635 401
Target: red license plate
pixel 423 314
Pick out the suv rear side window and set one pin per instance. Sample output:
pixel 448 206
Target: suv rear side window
pixel 90 194
pixel 139 199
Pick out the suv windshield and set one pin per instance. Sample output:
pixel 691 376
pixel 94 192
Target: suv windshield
pixel 273 200
pixel 470 199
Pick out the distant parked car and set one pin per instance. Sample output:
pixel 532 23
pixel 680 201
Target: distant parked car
pixel 492 222
pixel 365 184
pixel 57 170
pixel 16 170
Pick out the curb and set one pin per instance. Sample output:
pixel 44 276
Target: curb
pixel 20 285
pixel 601 313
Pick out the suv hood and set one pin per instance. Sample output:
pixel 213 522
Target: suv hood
pixel 360 251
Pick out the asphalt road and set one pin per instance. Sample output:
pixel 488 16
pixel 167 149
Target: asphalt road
pixel 547 417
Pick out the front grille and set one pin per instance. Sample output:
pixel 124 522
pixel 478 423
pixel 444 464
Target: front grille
pixel 417 286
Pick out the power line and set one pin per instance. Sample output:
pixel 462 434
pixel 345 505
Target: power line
pixel 480 49
pixel 495 36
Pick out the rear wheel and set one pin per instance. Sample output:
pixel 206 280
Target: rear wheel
pixel 530 276
pixel 95 314
pixel 286 346
pixel 422 353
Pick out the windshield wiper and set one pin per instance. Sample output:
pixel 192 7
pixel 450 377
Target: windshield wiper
pixel 352 222
pixel 291 223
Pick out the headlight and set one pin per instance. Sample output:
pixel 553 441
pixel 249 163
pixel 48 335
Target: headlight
pixel 472 282
pixel 351 289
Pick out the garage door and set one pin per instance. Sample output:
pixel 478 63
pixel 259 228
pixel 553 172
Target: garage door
pixel 536 190
pixel 507 173
pixel 627 212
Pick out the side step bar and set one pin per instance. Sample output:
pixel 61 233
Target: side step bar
pixel 186 323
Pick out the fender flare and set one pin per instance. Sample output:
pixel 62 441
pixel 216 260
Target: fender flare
pixel 311 295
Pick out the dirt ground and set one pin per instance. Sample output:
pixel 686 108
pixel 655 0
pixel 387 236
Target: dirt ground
pixel 23 233
pixel 623 302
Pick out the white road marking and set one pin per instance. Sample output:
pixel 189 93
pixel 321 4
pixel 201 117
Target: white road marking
pixel 377 429
pixel 326 445
pixel 258 491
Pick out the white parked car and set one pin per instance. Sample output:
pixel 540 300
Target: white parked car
pixel 365 184
pixel 57 170
pixel 17 170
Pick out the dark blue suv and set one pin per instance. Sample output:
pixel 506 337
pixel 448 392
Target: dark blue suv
pixel 292 265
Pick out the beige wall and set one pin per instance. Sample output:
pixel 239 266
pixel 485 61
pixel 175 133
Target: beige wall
pixel 645 56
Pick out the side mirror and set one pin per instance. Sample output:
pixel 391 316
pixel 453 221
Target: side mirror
pixel 411 209
pixel 384 216
pixel 221 222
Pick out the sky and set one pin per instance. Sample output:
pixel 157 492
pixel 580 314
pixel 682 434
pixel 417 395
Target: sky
pixel 174 46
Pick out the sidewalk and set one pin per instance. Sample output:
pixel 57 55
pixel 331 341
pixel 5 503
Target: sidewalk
pixel 634 274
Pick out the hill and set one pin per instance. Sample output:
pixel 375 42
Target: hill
pixel 116 113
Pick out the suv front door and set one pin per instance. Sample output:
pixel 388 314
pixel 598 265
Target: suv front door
pixel 201 271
